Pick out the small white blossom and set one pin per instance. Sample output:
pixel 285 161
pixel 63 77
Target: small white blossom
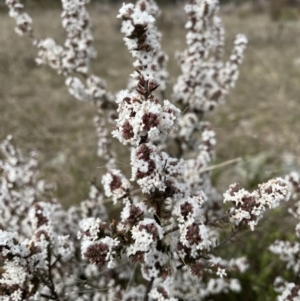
pixel 221 272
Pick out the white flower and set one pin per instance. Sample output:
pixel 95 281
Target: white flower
pixel 221 272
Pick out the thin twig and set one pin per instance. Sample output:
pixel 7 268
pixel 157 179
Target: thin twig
pixel 172 230
pixel 218 219
pixel 220 165
pixel 148 289
pixel 180 266
pixel 233 233
pixel 48 297
pixel 51 284
pixel 131 278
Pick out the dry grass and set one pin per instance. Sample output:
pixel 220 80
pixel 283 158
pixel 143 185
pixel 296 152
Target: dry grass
pixel 261 114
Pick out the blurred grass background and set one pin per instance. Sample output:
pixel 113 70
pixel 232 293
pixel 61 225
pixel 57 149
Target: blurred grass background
pixel 260 121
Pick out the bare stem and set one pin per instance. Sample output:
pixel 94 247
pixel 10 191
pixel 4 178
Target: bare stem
pixel 148 289
pixel 180 266
pixel 51 284
pixel 220 165
pixel 172 230
pixel 213 222
pixel 233 234
pixel 48 297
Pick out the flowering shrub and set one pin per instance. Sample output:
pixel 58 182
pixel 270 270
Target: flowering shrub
pixel 164 244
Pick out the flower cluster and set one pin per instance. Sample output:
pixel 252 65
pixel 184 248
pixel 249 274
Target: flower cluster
pixel 77 50
pixel 159 58
pixel 33 245
pixel 249 207
pixel 23 20
pixel 205 79
pixel 143 118
pixel 287 291
pixel 289 252
pixel 115 185
pixel 142 40
pixel 19 186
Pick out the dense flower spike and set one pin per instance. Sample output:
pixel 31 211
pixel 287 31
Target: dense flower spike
pixel 249 207
pixel 20 186
pixel 205 79
pixel 160 58
pixel 159 239
pixel 141 38
pixel 195 176
pixel 23 20
pixel 287 251
pixel 78 50
pixel 33 245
